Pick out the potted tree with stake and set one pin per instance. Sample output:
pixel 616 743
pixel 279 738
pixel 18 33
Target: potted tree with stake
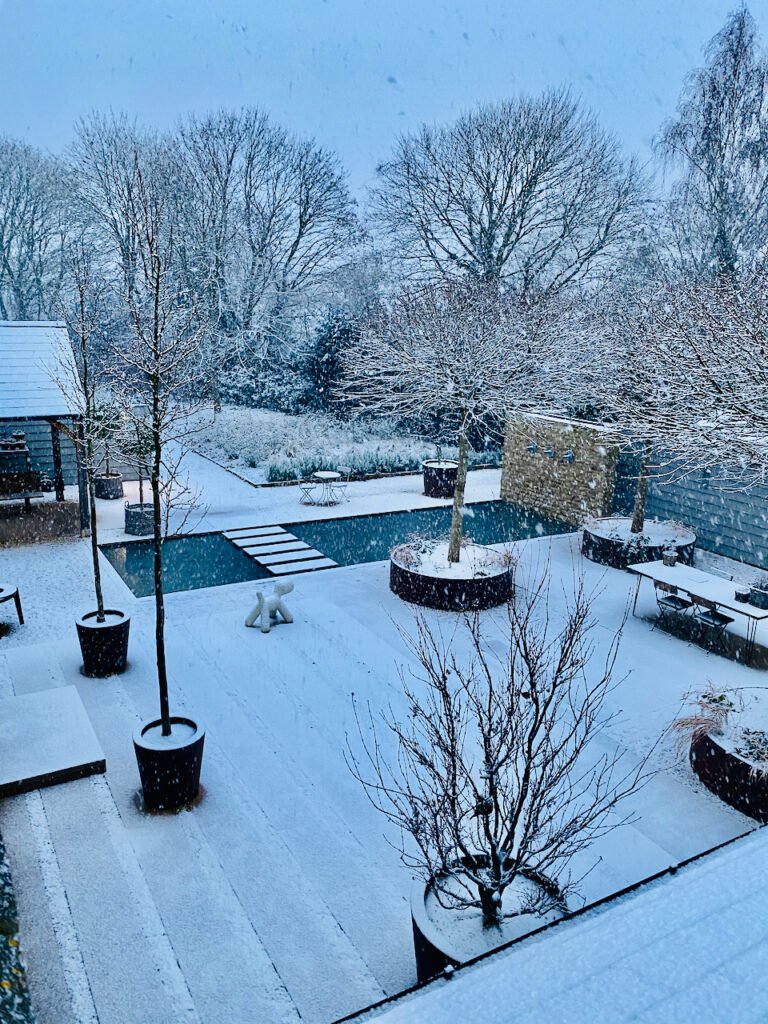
pixel 137 447
pixel 103 633
pixel 163 368
pixel 108 483
pixel 488 770
pixel 463 350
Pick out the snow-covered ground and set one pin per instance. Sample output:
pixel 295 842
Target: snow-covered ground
pixel 278 897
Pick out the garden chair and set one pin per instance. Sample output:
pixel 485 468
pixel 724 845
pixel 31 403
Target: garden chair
pixel 706 613
pixel 339 489
pixel 670 601
pixel 307 488
pixel 10 593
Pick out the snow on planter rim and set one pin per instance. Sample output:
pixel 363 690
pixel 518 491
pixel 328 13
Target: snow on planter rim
pixel 459 932
pixel 90 620
pixel 476 562
pixel 183 733
pixel 655 533
pixel 441 463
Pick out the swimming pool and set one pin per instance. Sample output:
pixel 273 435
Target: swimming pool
pixel 210 560
pixel 189 563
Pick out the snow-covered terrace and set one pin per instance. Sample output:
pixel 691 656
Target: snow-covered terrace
pixel 278 897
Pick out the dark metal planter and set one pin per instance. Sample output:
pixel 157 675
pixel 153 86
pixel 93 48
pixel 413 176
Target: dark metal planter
pixel 452 595
pixel 108 485
pixel 758 598
pixel 170 776
pixel 104 646
pixel 619 554
pixel 440 478
pixel 432 947
pixel 731 778
pixel 139 519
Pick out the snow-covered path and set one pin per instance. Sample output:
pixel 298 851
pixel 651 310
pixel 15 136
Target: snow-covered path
pixel 278 897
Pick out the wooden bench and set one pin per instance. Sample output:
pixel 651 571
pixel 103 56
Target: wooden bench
pixel 25 496
pixel 10 593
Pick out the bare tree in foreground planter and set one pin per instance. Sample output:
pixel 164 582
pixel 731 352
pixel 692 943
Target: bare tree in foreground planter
pixel 458 348
pixel 161 363
pixel 495 775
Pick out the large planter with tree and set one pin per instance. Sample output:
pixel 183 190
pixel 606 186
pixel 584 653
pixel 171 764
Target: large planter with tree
pixel 463 351
pixel 438 944
pixel 104 632
pixel 137 445
pixel 421 573
pixel 487 764
pixel 611 541
pixel 440 477
pixel 108 485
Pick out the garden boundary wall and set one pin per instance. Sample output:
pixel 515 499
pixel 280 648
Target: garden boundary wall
pixel 558 467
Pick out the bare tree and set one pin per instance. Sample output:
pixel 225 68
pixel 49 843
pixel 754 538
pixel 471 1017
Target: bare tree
pixel 530 194
pixel 719 139
pixel 495 773
pixel 163 369
pixel 711 338
pixel 457 347
pixel 32 230
pixel 83 302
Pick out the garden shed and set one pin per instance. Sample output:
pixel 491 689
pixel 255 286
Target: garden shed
pixel 38 430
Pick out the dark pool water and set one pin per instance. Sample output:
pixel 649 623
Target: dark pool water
pixel 210 560
pixel 371 538
pixel 189 563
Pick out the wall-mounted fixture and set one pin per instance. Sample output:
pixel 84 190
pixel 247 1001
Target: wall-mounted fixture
pixel 568 457
pixel 532 448
pixel 550 453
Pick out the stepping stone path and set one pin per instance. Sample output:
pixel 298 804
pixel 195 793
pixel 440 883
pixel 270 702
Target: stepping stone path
pixel 278 551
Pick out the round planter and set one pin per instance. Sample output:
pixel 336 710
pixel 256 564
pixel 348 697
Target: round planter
pixel 448 594
pixel 432 946
pixel 104 645
pixel 108 486
pixel 170 771
pixel 440 477
pixel 618 553
pixel 139 519
pixel 730 777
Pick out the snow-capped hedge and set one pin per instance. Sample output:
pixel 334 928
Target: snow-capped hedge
pixel 264 445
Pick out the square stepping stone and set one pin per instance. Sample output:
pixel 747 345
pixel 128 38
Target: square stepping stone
pixel 46 738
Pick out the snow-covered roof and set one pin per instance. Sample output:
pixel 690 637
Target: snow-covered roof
pixel 685 948
pixel 30 354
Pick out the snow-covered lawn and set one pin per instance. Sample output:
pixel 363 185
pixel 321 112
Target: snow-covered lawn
pixel 278 898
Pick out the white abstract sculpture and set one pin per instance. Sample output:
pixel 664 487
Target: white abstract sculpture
pixel 268 608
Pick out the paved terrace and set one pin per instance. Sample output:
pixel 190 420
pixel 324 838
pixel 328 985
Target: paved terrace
pixel 278 897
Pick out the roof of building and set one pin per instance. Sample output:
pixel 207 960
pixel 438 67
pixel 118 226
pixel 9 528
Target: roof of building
pixel 687 947
pixel 30 361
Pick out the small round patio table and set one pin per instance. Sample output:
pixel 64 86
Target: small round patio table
pixel 327 478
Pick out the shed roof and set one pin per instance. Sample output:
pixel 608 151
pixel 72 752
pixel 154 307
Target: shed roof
pixel 684 949
pixel 30 357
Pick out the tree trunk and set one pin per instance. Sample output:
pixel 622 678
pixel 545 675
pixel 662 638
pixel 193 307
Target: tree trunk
pixel 490 905
pixel 157 564
pixel 454 542
pixel 638 513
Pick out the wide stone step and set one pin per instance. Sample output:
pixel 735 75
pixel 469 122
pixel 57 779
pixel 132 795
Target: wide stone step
pixel 253 531
pixel 288 568
pixel 288 556
pixel 255 542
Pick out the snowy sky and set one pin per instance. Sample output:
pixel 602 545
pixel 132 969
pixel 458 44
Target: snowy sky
pixel 353 73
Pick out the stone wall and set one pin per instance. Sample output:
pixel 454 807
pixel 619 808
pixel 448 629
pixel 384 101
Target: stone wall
pixel 545 480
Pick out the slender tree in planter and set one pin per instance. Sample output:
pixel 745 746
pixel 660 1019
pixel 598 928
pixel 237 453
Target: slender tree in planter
pixel 490 772
pixel 103 633
pixel 458 348
pixel 163 372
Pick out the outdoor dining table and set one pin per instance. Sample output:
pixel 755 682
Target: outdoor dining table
pixel 697 583
pixel 327 478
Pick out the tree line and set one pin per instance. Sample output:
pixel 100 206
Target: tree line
pixel 529 196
